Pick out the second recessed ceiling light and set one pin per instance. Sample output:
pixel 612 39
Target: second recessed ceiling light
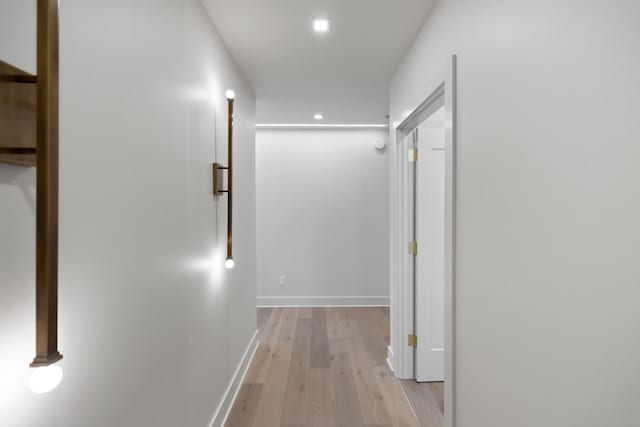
pixel 321 25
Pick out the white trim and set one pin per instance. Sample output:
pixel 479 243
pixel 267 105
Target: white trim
pixel 224 408
pixel 319 126
pixel 390 358
pixel 405 361
pixel 326 301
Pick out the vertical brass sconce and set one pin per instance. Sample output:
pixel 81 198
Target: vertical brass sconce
pixel 29 137
pixel 218 180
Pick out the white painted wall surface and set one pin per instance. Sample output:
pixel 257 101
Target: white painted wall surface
pixel 322 198
pixel 152 327
pixel 548 326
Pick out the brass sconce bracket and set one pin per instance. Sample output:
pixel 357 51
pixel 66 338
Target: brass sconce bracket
pixel 218 179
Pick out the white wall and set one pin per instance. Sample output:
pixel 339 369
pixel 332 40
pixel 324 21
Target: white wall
pixel 547 293
pixel 322 198
pixel 151 325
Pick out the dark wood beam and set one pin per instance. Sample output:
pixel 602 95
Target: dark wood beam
pixel 17 150
pixel 18 78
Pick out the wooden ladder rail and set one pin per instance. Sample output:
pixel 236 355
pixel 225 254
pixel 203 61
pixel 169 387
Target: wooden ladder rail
pixel 47 186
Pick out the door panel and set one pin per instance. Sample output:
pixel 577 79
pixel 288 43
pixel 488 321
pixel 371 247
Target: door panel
pixel 429 261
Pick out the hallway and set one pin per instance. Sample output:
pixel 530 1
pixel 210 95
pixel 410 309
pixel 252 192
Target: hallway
pixel 327 367
pixel 442 191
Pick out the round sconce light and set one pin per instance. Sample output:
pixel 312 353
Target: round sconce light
pixel 45 378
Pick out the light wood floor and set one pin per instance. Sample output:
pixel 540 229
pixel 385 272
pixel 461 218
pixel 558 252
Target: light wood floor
pixel 324 367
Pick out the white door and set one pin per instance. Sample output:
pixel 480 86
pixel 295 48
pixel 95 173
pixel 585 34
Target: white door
pixel 429 227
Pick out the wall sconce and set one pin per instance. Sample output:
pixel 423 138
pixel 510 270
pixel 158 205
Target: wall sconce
pixel 218 179
pixel 29 137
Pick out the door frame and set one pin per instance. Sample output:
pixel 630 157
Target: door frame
pixel 442 85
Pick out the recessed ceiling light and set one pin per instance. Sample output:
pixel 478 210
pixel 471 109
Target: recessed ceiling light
pixel 317 116
pixel 321 25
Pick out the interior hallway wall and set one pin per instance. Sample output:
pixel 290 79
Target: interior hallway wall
pixel 322 216
pixel 548 326
pixel 152 327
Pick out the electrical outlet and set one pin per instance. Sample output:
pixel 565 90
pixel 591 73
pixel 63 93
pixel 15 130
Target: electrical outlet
pixel 283 280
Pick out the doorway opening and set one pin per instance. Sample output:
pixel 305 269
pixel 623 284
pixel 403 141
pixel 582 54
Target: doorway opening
pixel 425 241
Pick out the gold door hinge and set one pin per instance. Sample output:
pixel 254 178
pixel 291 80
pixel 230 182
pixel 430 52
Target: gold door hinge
pixel 413 248
pixel 413 341
pixel 413 155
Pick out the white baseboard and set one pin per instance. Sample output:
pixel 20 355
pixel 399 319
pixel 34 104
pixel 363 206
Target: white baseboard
pixel 224 408
pixel 331 301
pixel 390 358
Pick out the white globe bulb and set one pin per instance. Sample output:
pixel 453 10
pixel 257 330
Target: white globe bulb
pixel 45 379
pixel 230 94
pixel 229 263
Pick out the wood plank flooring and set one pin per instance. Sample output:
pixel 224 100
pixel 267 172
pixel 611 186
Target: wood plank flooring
pixel 325 367
pixel 427 401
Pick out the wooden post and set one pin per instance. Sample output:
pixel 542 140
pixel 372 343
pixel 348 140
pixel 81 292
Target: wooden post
pixel 230 179
pixel 47 187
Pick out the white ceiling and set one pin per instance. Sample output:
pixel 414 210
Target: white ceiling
pixel 295 72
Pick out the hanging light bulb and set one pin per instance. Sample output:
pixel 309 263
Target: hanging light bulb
pixel 45 378
pixel 229 263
